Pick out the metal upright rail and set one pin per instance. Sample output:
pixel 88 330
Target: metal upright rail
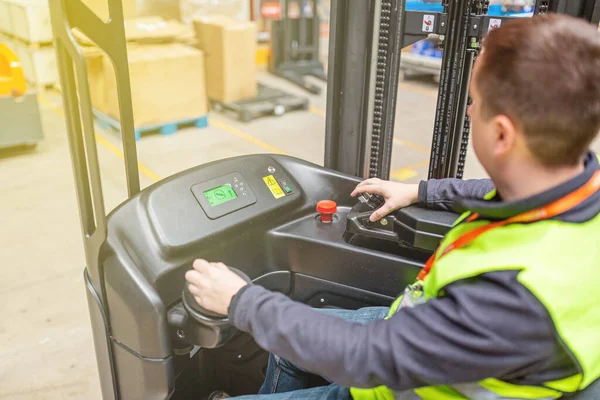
pixel 467 24
pixel 453 91
pixel 67 15
pixel 352 54
pixel 387 74
pixel 363 83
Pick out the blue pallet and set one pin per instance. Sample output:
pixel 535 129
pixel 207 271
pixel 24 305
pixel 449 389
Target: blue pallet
pixel 107 122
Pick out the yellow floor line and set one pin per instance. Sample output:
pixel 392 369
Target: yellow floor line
pixel 245 136
pixel 147 171
pixel 103 142
pixel 143 169
pixel 402 142
pixel 412 145
pixel 409 171
pixel 404 173
pixel 317 111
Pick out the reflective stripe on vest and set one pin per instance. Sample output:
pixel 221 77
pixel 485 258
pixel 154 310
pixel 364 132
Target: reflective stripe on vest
pixel 466 391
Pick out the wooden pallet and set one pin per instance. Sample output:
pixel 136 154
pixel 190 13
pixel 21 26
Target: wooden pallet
pixel 170 128
pixel 268 102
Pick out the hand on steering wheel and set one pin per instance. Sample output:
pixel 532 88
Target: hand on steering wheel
pixel 396 195
pixel 213 285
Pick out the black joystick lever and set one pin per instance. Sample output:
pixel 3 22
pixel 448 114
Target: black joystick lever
pixel 199 312
pixel 373 201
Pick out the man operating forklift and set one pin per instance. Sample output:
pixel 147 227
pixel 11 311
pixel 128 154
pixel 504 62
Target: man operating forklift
pixel 507 308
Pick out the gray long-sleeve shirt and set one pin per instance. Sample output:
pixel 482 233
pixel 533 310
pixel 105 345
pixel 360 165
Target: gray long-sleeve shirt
pixel 488 326
pixel 440 194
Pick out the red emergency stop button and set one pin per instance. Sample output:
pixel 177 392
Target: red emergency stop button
pixel 326 208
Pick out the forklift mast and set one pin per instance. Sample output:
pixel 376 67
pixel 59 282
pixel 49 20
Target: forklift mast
pixel 364 68
pixel 364 62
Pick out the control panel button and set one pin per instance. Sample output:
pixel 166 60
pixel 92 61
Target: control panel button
pixel 327 208
pixel 286 188
pixel 271 169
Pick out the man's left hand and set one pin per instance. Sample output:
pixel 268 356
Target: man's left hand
pixel 214 285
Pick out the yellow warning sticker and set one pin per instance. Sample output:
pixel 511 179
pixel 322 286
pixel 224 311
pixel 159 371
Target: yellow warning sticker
pixel 274 186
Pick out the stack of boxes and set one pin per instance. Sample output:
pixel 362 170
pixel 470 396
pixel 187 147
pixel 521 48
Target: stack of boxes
pixel 173 67
pixel 166 75
pixel 171 80
pixel 25 28
pixel 192 9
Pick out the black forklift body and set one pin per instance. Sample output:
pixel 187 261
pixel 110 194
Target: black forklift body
pixel 276 238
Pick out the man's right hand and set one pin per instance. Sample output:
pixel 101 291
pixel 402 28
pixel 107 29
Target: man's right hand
pixel 396 195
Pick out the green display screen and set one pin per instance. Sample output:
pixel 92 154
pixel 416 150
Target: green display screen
pixel 220 195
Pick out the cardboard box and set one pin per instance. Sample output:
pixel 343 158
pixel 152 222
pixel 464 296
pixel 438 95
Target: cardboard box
pixel 5 19
pixel 192 9
pixel 148 30
pixel 95 67
pixel 100 8
pixel 30 21
pixel 38 62
pixel 167 9
pixel 167 83
pixel 155 30
pixel 229 47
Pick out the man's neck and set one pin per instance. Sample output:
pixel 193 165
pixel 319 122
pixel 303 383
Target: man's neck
pixel 537 180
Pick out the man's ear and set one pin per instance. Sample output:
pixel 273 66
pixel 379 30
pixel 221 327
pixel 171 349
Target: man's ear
pixel 505 135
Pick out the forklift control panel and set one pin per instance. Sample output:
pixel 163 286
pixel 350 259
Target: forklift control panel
pixel 226 194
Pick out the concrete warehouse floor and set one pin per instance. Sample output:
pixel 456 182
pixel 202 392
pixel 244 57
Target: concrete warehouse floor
pixel 46 349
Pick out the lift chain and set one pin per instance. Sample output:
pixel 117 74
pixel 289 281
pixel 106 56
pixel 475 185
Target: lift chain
pixel 480 7
pixel 464 145
pixel 382 58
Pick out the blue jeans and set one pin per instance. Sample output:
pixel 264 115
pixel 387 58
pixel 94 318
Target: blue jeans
pixel 286 381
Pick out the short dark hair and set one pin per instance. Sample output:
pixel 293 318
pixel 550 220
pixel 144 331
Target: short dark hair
pixel 544 73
